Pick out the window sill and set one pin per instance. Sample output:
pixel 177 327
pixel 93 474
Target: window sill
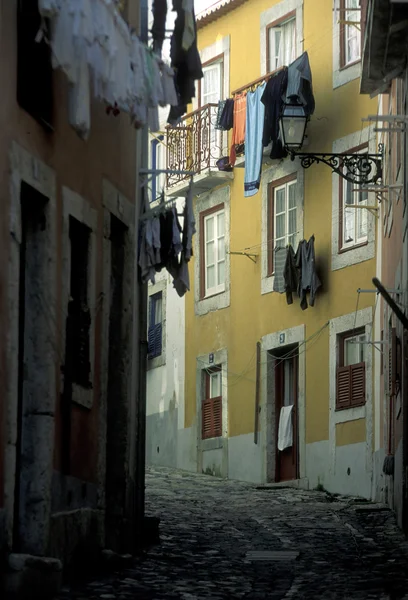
pixel 350 407
pixel 157 361
pixel 214 443
pixel 348 65
pixel 82 396
pixel 212 295
pixel 360 245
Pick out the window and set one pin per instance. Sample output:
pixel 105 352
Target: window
pixel 350 376
pixel 211 83
pixel 158 161
pixel 353 221
pixel 34 69
pixel 79 313
pixel 212 403
pixel 281 44
pixel 211 93
pixel 282 218
pixel 155 331
pixel 213 251
pixel 350 32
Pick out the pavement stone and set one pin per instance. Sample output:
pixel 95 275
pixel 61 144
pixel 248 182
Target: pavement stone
pixel 226 539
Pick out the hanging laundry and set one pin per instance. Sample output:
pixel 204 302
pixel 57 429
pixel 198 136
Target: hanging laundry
pixel 186 63
pixel 159 9
pixel 182 282
pixel 227 117
pixel 285 429
pixel 272 99
pixel 220 109
pixel 309 281
pixel 238 131
pixel 279 260
pixel 299 88
pixel 291 275
pixel 169 90
pixel 255 113
pixel 189 223
pixel 91 41
pixel 48 8
pixel 189 34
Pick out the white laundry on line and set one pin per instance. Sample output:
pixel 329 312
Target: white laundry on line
pixel 285 431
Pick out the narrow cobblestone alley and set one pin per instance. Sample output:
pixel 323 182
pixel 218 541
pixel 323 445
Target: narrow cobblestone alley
pixel 226 539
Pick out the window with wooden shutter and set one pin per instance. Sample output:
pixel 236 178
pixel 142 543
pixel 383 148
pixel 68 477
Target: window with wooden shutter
pixel 155 331
pixel 351 371
pixel 212 404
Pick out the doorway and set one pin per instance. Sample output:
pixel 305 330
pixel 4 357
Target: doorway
pixel 286 375
pixel 117 393
pixel 35 364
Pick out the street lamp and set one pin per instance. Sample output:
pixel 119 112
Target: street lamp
pixel 355 168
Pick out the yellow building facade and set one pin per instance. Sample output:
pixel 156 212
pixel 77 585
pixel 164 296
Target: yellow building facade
pixel 248 352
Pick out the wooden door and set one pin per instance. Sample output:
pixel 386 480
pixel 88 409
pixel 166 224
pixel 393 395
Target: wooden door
pixel 286 387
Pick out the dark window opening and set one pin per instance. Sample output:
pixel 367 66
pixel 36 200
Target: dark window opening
pixel 34 68
pixel 79 312
pixel 155 331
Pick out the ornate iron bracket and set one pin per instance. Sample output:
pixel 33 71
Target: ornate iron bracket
pixel 355 168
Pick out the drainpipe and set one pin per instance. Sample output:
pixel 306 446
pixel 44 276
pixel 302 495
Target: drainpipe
pixel 140 324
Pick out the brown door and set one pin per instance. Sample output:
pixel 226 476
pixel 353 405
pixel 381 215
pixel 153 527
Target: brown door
pixel 286 386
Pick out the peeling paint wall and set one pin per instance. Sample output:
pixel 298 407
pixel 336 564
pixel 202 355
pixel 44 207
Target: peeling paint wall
pixel 66 170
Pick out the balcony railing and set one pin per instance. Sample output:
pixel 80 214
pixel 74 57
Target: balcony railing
pixel 195 144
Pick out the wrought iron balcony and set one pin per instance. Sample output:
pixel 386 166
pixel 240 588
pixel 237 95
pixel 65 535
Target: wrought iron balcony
pixel 196 145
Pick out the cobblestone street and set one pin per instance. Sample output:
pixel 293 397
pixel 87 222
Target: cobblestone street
pixel 226 539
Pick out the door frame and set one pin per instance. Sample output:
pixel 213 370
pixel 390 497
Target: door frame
pixel 28 168
pixel 116 204
pixel 272 342
pixel 295 383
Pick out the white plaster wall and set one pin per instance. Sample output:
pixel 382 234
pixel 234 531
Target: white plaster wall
pixel 165 381
pixel 245 459
pixel 317 464
pixel 187 448
pixel 358 483
pixel 213 462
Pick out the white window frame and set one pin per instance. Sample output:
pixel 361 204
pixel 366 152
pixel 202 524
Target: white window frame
pixel 358 214
pixel 355 32
pixel 214 377
pixel 281 170
pixel 360 343
pixel 285 238
pixel 278 13
pixel 218 287
pixel 342 74
pixel 275 60
pixel 204 305
pixel 354 254
pixel 216 65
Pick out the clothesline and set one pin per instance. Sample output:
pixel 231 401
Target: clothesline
pixel 154 210
pixel 256 82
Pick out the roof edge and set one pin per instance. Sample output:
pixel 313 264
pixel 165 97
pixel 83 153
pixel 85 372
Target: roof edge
pixel 216 11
